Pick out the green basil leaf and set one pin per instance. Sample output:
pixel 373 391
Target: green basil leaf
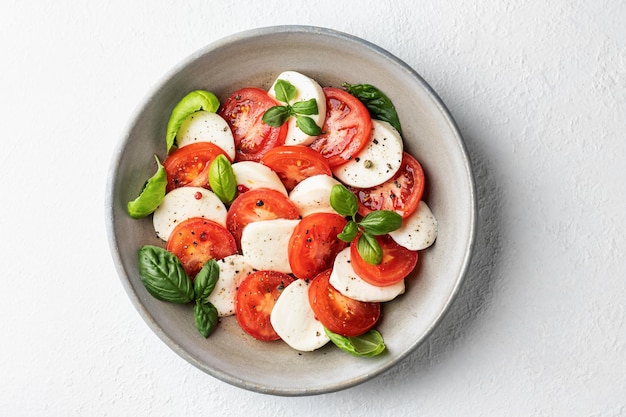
pixel 151 195
pixel 307 107
pixel 195 101
pixel 369 249
pixel 377 103
pixel 284 91
pixel 205 280
pixel 276 116
pixel 164 276
pixel 343 201
pixel 349 231
pixel 222 179
pixel 381 222
pixel 205 315
pixel 368 344
pixel 307 125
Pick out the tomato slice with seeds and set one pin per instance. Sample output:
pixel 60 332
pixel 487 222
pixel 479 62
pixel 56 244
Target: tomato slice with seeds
pixel 189 165
pixel 255 299
pixel 243 111
pixel 347 127
pixel 256 205
pixel 397 263
pixel 314 244
pixel 295 163
pixel 338 313
pixel 196 241
pixel 401 193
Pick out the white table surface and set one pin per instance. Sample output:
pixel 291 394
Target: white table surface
pixel 539 92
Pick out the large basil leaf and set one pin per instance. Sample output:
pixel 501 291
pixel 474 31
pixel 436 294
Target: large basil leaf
pixel 381 222
pixel 222 179
pixel 164 276
pixel 377 103
pixel 194 101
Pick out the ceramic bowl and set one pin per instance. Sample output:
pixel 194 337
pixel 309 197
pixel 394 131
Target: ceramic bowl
pixel 255 58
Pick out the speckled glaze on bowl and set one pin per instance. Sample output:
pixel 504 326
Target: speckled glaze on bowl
pixel 253 58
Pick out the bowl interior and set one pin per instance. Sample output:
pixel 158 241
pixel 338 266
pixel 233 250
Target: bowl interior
pixel 255 58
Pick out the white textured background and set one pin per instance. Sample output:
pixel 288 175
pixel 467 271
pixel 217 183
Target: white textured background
pixel 539 92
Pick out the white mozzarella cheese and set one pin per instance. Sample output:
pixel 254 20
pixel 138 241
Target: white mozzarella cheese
pixel 418 231
pixel 204 126
pixel 377 162
pixel 312 195
pixel 253 175
pixel 265 244
pixel 233 269
pixel 294 321
pixel 306 89
pixel 186 202
pixel 347 282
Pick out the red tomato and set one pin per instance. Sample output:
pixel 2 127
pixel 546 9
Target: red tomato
pixel 401 193
pixel 314 244
pixel 347 128
pixel 196 241
pixel 255 299
pixel 258 204
pixel 189 165
pixel 295 163
pixel 397 263
pixel 243 111
pixel 338 313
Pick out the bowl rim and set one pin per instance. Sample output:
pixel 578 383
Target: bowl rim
pixel 163 80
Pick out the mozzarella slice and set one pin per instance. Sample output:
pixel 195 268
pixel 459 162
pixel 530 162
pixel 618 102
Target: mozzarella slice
pixel 418 231
pixel 233 269
pixel 251 175
pixel 204 126
pixel 265 244
pixel 294 321
pixel 377 162
pixel 306 89
pixel 347 282
pixel 183 203
pixel 312 195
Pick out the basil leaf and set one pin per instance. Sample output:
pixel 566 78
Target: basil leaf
pixel 381 222
pixel 369 249
pixel 377 103
pixel 205 280
pixel 276 116
pixel 349 231
pixel 205 315
pixel 222 179
pixel 343 201
pixel 368 344
pixel 151 195
pixel 163 275
pixel 195 101
pixel 284 90
pixel 307 107
pixel 307 125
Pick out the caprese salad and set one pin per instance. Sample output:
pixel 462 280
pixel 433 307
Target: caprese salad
pixel 295 209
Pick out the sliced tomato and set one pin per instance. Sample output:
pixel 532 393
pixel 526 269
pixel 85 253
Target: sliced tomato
pixel 347 128
pixel 189 165
pixel 397 263
pixel 196 241
pixel 255 205
pixel 295 163
pixel 243 111
pixel 338 313
pixel 314 244
pixel 402 193
pixel 255 299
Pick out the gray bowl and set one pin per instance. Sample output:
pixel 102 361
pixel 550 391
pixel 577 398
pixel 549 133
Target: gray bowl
pixel 254 58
